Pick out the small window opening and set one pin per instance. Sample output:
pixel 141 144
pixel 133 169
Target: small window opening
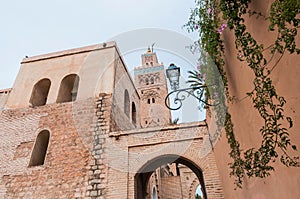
pixel 153 100
pixel 152 80
pixel 126 103
pixel 147 81
pixel 40 92
pixel 146 122
pixel 133 113
pixel 151 63
pixel 68 89
pixel 149 101
pixel 40 149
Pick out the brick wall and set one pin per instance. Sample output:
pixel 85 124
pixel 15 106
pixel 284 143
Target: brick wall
pixel 189 182
pixel 171 187
pixel 129 152
pixel 84 159
pixel 64 173
pixel 97 174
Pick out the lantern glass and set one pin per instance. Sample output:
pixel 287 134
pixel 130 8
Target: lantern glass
pixel 173 73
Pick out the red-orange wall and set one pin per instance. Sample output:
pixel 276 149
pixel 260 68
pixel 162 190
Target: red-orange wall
pixel 284 182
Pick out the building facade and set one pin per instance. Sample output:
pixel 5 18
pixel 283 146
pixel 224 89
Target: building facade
pixel 75 125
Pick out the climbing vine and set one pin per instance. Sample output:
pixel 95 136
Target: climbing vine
pixel 210 18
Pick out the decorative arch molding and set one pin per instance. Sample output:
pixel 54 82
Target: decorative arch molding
pixel 144 151
pixel 150 94
pixel 149 79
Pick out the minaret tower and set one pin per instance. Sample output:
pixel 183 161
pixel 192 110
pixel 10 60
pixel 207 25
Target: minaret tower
pixel 150 81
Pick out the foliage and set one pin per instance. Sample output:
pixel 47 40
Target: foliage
pixel 175 121
pixel 198 196
pixel 210 18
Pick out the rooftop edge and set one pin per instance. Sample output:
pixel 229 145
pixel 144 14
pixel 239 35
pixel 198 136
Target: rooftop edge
pixel 69 52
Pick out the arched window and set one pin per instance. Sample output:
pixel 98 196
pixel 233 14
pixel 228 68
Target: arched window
pixel 149 101
pixel 133 113
pixel 68 89
pixel 147 81
pixel 40 92
pixel 40 149
pixel 153 100
pixel 152 80
pixel 126 103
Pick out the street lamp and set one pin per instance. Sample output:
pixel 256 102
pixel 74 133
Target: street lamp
pixel 173 73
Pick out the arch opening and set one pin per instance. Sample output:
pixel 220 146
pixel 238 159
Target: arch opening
pixel 133 113
pixel 171 169
pixel 152 80
pixel 198 193
pixel 154 193
pixel 39 151
pixel 40 92
pixel 68 89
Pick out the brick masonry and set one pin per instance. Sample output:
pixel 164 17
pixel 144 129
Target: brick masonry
pixel 65 172
pixel 95 151
pixel 86 160
pixel 171 187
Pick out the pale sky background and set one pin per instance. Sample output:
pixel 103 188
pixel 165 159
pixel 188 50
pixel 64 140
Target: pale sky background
pixel 34 27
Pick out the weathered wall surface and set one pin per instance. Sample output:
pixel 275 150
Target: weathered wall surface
pixel 123 82
pixel 98 166
pixel 84 159
pixel 129 151
pixel 3 97
pixel 284 182
pixel 65 171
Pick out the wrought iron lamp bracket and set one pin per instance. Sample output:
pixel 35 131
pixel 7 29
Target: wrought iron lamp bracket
pixel 180 95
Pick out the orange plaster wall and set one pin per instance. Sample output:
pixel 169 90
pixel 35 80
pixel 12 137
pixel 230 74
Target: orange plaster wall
pixel 284 182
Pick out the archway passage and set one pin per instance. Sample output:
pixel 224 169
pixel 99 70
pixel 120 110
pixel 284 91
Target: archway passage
pixel 144 174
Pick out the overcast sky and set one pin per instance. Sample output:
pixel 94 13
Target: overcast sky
pixel 34 27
